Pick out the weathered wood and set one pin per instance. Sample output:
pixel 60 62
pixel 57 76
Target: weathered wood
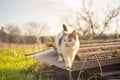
pixel 99 54
pixel 94 63
pixel 99 41
pixel 50 56
pixel 109 73
pixel 99 44
pixel 99 48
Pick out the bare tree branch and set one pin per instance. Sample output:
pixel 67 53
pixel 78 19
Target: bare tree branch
pixel 87 23
pixel 110 15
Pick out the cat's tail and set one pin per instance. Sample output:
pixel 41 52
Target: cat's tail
pixel 65 27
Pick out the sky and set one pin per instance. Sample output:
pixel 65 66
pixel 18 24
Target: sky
pixel 52 12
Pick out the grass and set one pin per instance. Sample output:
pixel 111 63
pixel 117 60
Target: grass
pixel 14 65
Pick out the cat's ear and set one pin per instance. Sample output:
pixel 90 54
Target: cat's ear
pixel 74 34
pixel 64 33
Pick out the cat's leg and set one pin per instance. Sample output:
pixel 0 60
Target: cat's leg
pixel 69 61
pixel 60 57
pixel 72 58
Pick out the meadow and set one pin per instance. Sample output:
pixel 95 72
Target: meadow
pixel 14 65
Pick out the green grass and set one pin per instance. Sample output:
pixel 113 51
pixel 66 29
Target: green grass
pixel 14 65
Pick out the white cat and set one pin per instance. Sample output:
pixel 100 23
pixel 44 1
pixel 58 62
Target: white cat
pixel 67 46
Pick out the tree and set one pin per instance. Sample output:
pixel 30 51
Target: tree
pixel 87 23
pixel 3 35
pixel 110 15
pixel 13 29
pixel 13 32
pixel 37 29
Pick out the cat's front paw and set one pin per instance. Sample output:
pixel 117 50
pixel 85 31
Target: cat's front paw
pixel 68 68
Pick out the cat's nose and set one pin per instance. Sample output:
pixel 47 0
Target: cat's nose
pixel 66 45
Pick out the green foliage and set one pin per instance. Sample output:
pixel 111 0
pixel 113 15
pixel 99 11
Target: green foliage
pixel 14 65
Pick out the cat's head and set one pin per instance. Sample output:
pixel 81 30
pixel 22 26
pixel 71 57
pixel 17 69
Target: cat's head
pixel 69 39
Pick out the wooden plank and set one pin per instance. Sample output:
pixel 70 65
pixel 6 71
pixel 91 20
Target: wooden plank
pixel 99 41
pixel 99 54
pixel 97 48
pixel 50 56
pixel 93 63
pixel 99 44
pixel 109 73
pixel 109 68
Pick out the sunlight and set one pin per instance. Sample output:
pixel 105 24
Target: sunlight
pixel 73 3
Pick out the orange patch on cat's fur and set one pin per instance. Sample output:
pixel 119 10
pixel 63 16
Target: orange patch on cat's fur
pixel 74 33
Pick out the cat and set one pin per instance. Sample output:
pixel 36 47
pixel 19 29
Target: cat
pixel 67 46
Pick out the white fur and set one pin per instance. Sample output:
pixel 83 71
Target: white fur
pixel 68 52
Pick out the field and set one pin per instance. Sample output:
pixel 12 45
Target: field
pixel 14 65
